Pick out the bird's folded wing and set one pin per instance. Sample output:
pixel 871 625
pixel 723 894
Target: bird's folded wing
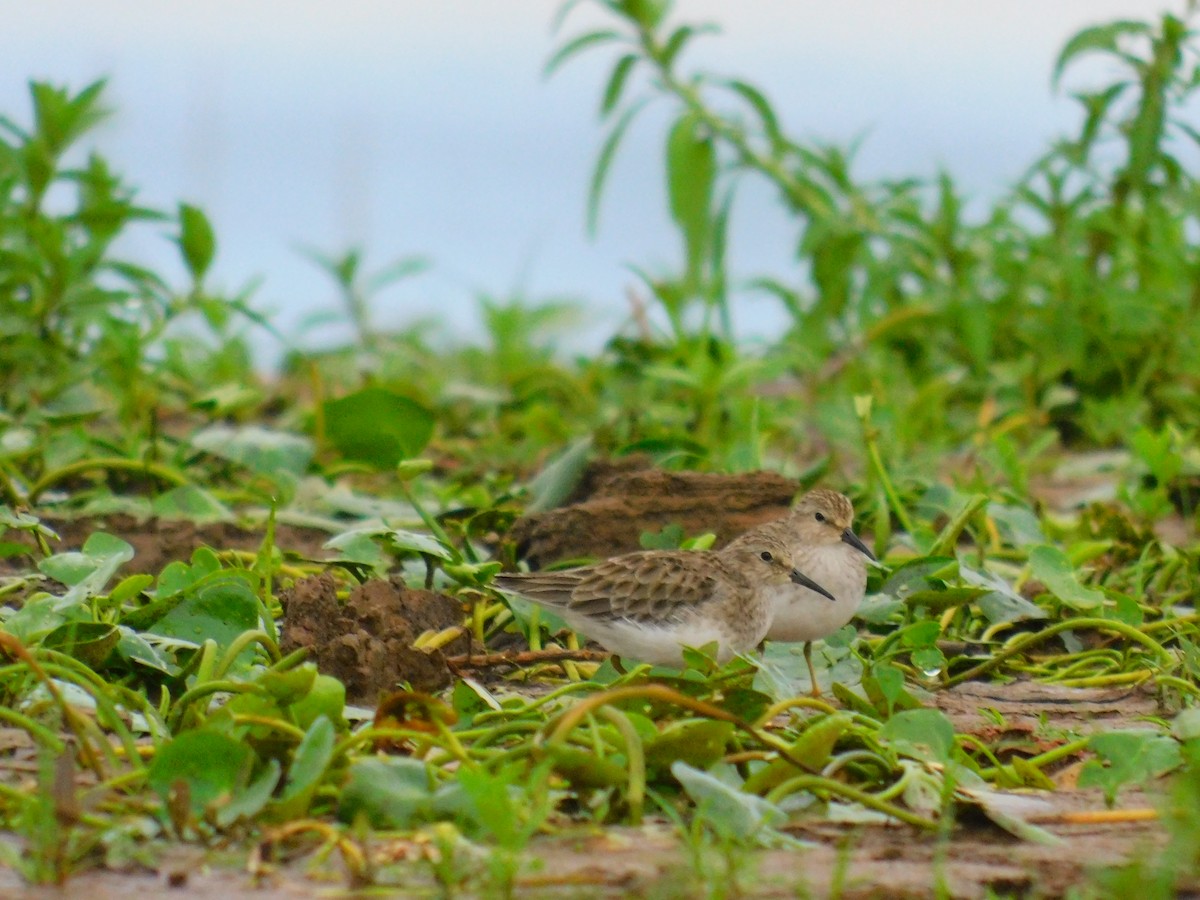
pixel 651 586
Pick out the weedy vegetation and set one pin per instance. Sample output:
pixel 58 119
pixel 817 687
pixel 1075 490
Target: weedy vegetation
pixel 1009 397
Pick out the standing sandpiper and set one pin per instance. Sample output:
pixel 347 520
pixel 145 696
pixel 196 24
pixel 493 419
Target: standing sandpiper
pixel 652 604
pixel 821 542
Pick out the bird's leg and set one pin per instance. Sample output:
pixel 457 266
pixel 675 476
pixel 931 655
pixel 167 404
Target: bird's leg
pixel 617 664
pixel 812 673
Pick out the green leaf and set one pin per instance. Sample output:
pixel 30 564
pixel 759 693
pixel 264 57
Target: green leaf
pixel 135 648
pixel 220 610
pixel 938 601
pixel 691 176
pixel 679 39
pixel 551 486
pixel 812 750
pixel 388 793
pixel 191 503
pixel 308 767
pixel 732 813
pixel 696 742
pixel 397 541
pixel 584 769
pixel 1001 603
pixel 39 615
pixel 129 587
pixel 1098 38
pixel 608 152
pixel 646 13
pixel 215 767
pixel 248 803
pixel 575 46
pixel 920 733
pixel 377 426
pixel 1051 567
pixel 669 538
pixel 262 450
pixel 616 83
pixel 196 240
pixel 89 642
pixel 1128 757
pixel 760 104
pixel 88 571
pixel 326 697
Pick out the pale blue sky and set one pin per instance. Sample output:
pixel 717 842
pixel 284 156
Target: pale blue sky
pixel 426 127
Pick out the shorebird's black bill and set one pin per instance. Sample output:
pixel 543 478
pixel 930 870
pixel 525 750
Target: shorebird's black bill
pixel 853 540
pixel 801 579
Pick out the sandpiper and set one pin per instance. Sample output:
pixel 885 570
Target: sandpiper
pixel 650 605
pixel 821 542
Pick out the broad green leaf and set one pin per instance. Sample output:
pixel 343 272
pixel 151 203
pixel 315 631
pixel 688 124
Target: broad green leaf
pixel 1128 757
pixel 135 648
pixel 290 685
pixel 920 733
pixel 396 539
pixel 248 803
pixel 1051 567
pixel 584 769
pixel 555 482
pixel 308 767
pixel 389 793
pixel 697 742
pixel 262 450
pixel 215 767
pixel 921 574
pixel 39 615
pixel 129 587
pixel 377 426
pixel 89 642
pixel 1001 603
pixel 733 814
pixel 812 750
pixel 937 601
pixel 221 610
pixel 98 560
pixel 191 503
pixel 1017 525
pixel 326 697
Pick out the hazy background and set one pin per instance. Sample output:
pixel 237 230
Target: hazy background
pixel 427 128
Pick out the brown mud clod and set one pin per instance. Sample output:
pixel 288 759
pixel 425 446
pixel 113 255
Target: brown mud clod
pixel 368 642
pixel 607 515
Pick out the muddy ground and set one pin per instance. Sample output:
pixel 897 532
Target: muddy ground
pixel 366 642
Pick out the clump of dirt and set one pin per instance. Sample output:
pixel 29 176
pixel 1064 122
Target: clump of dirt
pixel 622 504
pixel 367 643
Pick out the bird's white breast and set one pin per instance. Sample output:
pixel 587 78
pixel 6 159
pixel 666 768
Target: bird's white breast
pixel 804 615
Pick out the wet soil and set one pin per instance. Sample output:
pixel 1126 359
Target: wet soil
pixel 847 861
pixel 157 542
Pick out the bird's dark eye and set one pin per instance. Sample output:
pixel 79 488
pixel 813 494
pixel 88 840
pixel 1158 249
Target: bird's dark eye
pixel 819 517
pixel 766 556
